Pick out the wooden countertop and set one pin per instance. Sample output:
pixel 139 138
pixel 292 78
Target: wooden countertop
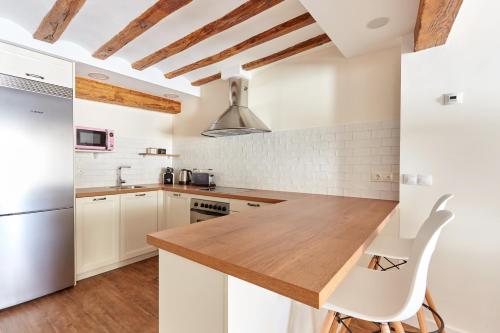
pixel 248 194
pixel 301 248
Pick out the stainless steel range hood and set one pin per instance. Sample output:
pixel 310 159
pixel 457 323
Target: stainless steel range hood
pixel 238 119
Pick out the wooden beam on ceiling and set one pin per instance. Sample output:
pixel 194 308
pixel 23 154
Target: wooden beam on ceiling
pixel 57 20
pixel 139 25
pixel 288 52
pixel 107 93
pixel 206 80
pixel 270 34
pixel 434 22
pixel 236 16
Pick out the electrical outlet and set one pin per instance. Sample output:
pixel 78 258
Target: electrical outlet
pixel 382 177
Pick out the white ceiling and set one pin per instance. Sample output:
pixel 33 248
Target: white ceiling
pixel 98 21
pixel 345 22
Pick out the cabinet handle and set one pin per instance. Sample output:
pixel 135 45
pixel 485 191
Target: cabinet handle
pixel 177 195
pixel 36 76
pixel 99 199
pixel 141 195
pixel 253 204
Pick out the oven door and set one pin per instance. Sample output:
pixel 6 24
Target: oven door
pixel 89 138
pixel 198 215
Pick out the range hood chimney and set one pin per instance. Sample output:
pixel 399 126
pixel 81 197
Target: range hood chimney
pixel 238 119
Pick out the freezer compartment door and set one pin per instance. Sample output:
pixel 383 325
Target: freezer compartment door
pixel 36 255
pixel 36 145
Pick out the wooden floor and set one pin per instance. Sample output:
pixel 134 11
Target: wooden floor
pixel 124 300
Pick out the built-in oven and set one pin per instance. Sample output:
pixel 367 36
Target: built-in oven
pixel 202 210
pixel 89 138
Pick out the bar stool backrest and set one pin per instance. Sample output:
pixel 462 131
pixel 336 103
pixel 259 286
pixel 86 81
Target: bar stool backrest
pixel 441 203
pixel 418 265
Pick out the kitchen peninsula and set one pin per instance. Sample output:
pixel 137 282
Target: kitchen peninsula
pixel 298 249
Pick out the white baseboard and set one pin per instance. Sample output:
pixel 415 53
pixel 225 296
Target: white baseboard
pixel 119 264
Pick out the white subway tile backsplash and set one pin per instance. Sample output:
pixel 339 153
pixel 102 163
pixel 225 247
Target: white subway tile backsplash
pixel 338 160
pixel 100 169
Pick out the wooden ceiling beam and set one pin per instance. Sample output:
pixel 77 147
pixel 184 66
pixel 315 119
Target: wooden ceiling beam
pixel 236 16
pixel 434 22
pixel 107 93
pixel 288 52
pixel 206 80
pixel 293 50
pixel 270 34
pixel 57 20
pixel 138 26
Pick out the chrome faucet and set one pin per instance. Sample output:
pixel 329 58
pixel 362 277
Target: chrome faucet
pixel 120 180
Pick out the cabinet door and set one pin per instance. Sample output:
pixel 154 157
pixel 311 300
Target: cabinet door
pixel 162 211
pixel 35 66
pixel 97 223
pixel 178 207
pixel 139 217
pixel 237 206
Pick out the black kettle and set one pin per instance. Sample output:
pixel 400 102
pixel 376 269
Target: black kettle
pixel 185 177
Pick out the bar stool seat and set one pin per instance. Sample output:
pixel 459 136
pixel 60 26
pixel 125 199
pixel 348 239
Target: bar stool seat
pixel 394 248
pixel 371 295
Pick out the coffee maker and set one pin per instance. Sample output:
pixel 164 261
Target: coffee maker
pixel 168 176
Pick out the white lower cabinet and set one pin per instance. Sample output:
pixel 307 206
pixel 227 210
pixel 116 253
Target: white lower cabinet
pixel 97 225
pixel 138 217
pixel 177 206
pixel 237 206
pixel 111 230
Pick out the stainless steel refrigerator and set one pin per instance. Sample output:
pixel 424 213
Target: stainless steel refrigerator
pixel 36 189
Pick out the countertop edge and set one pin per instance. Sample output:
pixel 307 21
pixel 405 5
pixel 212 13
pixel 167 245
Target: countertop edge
pixel 272 198
pixel 294 292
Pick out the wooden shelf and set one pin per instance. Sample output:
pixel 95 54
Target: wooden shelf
pixel 92 151
pixel 167 155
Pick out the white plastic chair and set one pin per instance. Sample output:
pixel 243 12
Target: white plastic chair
pixel 388 297
pixel 400 249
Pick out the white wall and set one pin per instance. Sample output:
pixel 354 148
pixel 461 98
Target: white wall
pixel 318 88
pixel 135 130
pixel 335 121
pixel 322 88
pixel 459 146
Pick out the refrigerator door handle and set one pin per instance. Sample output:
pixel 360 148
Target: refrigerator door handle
pixel 36 211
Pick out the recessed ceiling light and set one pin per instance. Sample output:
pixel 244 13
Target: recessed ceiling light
pixel 377 23
pixel 98 76
pixel 171 96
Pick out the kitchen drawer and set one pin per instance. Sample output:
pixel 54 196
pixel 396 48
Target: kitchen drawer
pixel 35 66
pixel 241 206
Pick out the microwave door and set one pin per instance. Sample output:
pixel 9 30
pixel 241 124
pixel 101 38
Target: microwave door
pixel 87 138
pixel 36 143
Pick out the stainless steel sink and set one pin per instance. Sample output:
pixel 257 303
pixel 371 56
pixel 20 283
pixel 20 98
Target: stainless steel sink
pixel 127 187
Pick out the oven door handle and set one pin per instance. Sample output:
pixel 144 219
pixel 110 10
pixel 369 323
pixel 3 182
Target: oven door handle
pixel 204 212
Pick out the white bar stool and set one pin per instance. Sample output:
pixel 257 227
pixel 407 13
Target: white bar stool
pixel 387 298
pixel 400 249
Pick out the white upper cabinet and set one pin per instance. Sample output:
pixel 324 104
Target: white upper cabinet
pixel 177 207
pixel 97 225
pixel 138 218
pixel 35 66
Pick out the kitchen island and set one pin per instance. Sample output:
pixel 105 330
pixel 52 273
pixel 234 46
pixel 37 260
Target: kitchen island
pixel 240 273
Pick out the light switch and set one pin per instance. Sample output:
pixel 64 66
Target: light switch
pixel 410 179
pixel 424 180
